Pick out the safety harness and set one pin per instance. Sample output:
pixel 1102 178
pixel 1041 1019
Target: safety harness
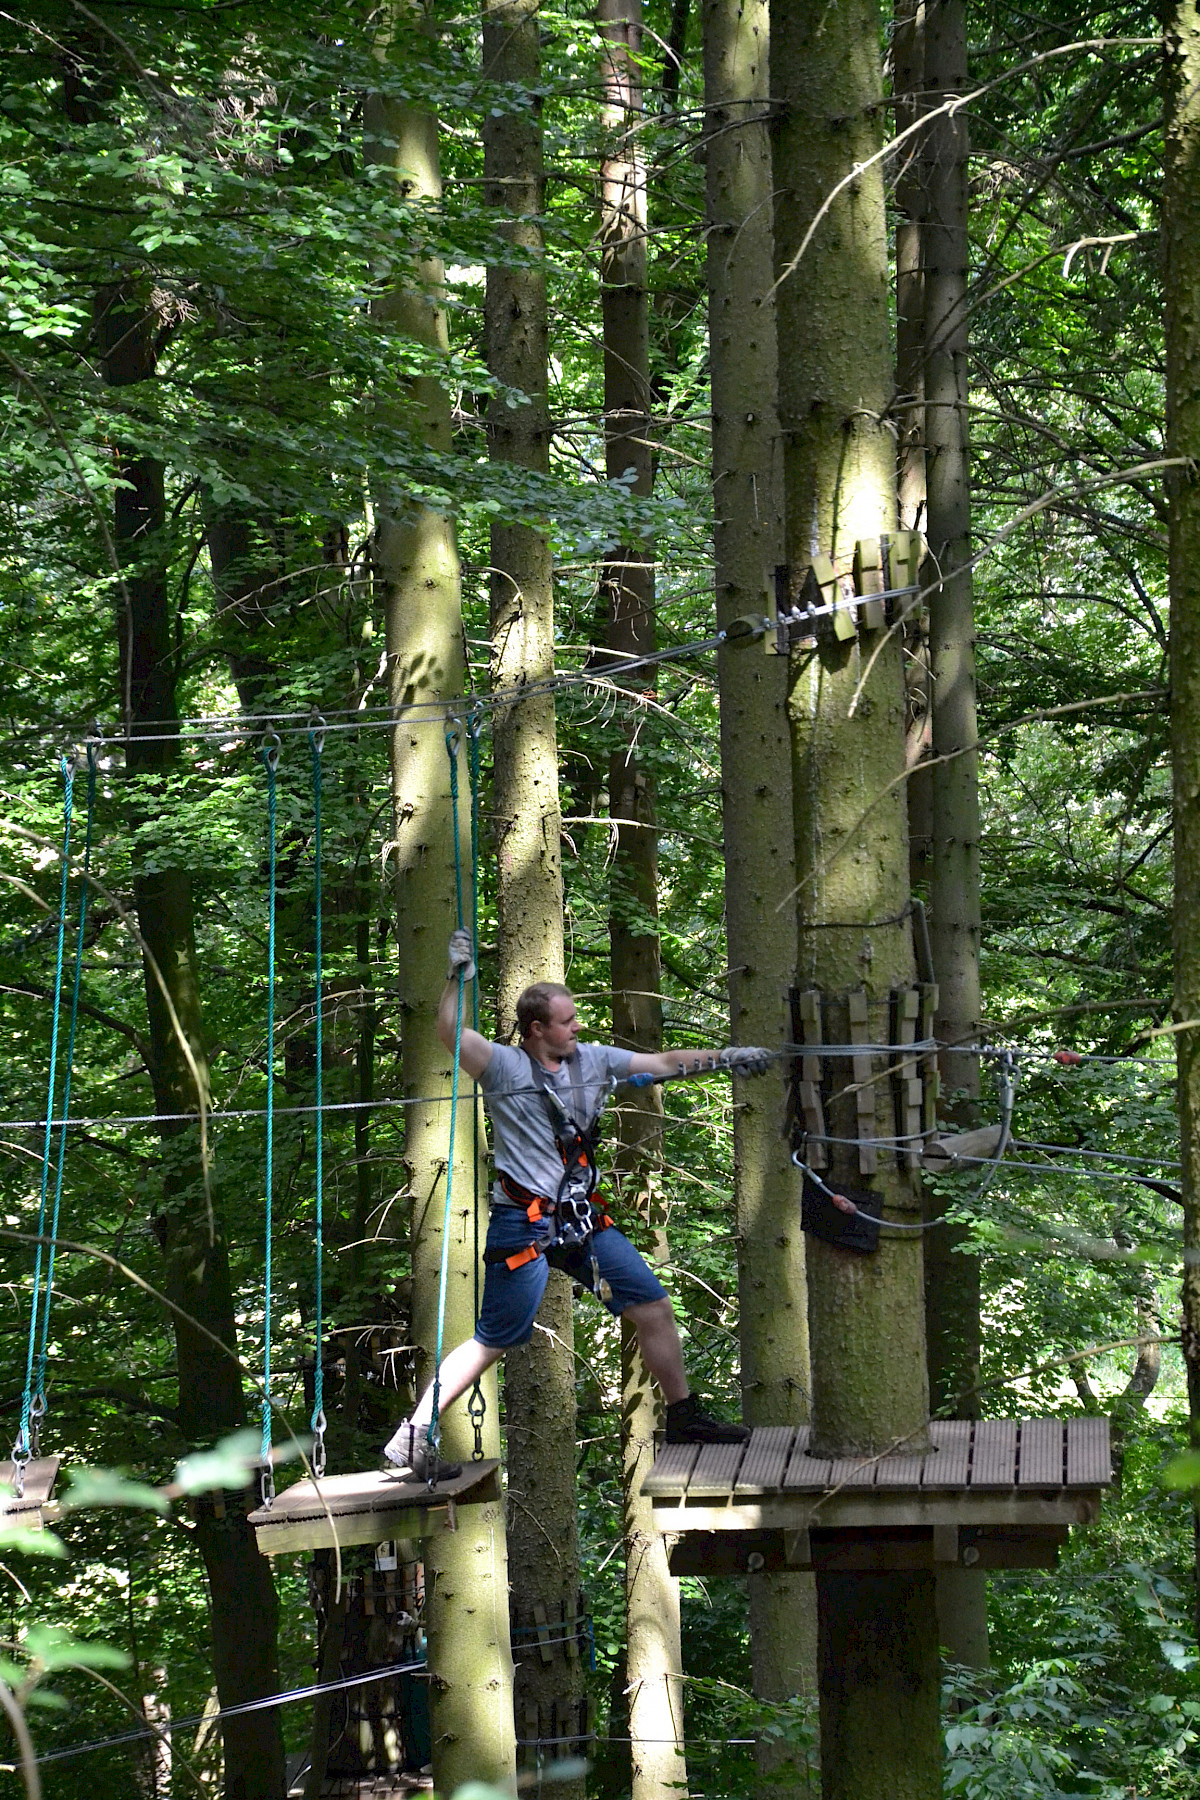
pixel 575 1215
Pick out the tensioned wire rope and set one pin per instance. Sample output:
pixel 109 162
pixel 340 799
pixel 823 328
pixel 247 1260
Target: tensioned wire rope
pixel 316 740
pixel 245 727
pixel 33 1403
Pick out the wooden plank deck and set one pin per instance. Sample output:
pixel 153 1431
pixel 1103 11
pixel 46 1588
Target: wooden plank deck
pixel 1007 1457
pixel 1001 1493
pixel 40 1476
pixel 368 1508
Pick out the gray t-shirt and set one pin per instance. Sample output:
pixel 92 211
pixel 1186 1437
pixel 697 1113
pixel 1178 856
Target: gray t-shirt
pixel 523 1145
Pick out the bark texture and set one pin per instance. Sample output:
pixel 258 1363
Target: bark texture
pixel 880 1733
pixel 539 1377
pixel 756 789
pixel 243 1613
pixel 655 1689
pixel 416 565
pixel 908 86
pixel 952 1279
pixel 1181 234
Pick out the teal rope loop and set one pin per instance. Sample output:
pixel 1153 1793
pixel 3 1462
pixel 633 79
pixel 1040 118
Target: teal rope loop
pixel 433 1434
pixel 21 1448
pixel 476 1404
pixel 316 739
pixel 270 762
pixel 38 1408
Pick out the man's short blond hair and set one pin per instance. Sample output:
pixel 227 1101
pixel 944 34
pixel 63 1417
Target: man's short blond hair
pixel 533 1005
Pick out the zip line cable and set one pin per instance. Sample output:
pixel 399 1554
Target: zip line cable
pixel 22 1448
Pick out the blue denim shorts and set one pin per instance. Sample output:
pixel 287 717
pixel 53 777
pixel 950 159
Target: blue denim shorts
pixel 511 1297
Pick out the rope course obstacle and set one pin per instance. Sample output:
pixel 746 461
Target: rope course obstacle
pixel 324 1512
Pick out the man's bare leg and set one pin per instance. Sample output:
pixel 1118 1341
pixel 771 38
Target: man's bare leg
pixel 459 1371
pixel 658 1341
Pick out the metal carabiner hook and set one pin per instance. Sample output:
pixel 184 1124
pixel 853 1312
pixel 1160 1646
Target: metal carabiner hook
pixel 316 731
pixel 453 734
pixel 266 1485
pixel 272 745
pixel 318 1449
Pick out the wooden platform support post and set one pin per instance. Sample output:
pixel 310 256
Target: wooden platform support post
pixel 756 795
pixel 877 1633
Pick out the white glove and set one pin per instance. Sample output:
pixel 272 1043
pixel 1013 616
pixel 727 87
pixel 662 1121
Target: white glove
pixel 745 1059
pixel 462 955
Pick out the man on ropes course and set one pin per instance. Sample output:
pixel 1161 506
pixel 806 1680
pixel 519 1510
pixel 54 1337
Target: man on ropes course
pixel 544 1101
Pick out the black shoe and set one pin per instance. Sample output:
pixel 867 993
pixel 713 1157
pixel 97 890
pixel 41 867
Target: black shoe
pixel 688 1423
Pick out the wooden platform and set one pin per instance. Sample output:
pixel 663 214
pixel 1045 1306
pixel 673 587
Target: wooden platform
pixel 368 1508
pixel 991 1494
pixel 40 1476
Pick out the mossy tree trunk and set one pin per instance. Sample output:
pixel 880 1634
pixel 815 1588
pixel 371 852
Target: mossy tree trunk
pixel 415 559
pixel 654 1687
pixel 908 88
pixel 1181 235
pixel 756 791
pixel 880 1734
pixel 951 1278
pixel 243 1611
pixel 539 1378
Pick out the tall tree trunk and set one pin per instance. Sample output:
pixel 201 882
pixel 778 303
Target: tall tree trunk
pixel 655 1689
pixel 951 1278
pixel 243 1610
pixel 416 564
pixel 756 792
pixel 908 85
pixel 880 1734
pixel 1181 232
pixel 539 1378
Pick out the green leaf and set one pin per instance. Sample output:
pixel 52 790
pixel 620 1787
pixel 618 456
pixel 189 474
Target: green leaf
pixel 53 1647
pixel 28 1541
pixel 230 1463
pixel 1183 1471
pixel 108 1487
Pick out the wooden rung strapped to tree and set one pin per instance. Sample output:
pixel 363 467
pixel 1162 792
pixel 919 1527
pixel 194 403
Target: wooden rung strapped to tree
pixel 991 1493
pixel 863 1073
pixel 910 1086
pixel 811 1109
pixel 40 1475
pixel 368 1508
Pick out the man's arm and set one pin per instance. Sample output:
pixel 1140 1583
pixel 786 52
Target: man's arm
pixel 475 1052
pixel 672 1064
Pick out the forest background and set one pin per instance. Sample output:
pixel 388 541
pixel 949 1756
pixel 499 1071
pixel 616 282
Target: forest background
pixel 204 168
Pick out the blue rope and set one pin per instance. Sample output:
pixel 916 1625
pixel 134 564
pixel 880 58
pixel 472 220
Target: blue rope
pixel 40 1403
pixel 316 739
pixel 270 761
pixel 433 1434
pixel 21 1447
pixel 476 1404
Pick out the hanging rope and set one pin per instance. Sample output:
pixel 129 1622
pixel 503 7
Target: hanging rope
pixel 22 1447
pixel 476 1404
pixel 316 739
pixel 433 1434
pixel 38 1408
pixel 270 762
